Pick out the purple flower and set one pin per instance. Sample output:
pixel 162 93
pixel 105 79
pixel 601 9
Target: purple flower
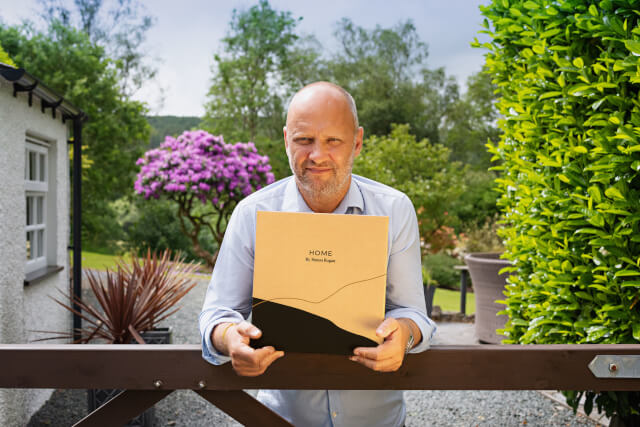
pixel 204 167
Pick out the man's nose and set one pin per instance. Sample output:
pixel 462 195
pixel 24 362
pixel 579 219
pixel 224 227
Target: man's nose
pixel 319 152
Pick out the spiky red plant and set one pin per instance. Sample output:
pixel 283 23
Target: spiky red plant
pixel 133 298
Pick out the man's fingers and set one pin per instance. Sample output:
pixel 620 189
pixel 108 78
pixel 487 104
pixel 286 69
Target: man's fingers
pixel 385 365
pixel 380 352
pixel 270 358
pixel 250 362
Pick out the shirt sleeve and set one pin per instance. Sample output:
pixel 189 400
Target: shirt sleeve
pixel 405 290
pixel 228 297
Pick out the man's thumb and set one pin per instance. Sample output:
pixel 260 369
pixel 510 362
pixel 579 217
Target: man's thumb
pixel 249 330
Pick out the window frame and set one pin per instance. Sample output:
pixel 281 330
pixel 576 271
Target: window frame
pixel 36 183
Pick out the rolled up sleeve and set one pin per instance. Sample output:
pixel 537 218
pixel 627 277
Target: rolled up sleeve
pixel 405 290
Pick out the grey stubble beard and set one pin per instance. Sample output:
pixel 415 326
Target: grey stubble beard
pixel 321 190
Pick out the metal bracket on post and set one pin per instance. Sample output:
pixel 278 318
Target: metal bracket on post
pixel 615 366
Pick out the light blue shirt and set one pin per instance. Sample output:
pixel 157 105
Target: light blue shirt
pixel 229 297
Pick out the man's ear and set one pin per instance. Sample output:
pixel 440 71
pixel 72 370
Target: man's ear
pixel 359 136
pixel 284 132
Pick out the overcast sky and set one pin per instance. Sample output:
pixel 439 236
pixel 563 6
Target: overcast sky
pixel 187 33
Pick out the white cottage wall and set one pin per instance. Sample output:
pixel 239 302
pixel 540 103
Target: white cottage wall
pixel 24 309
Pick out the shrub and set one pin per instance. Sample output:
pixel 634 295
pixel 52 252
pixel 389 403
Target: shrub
pixel 478 202
pixel 481 238
pixel 205 177
pixel 153 224
pixel 419 169
pixel 568 73
pixel 440 270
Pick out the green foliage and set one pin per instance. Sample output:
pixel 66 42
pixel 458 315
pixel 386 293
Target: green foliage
pixel 153 224
pixel 162 126
pixel 264 61
pixel 417 168
pixel 120 27
pixel 482 237
pixel 248 80
pixel 478 202
pixel 569 79
pixel 441 271
pixel 5 59
pixel 69 63
pixel 384 70
pixel 471 121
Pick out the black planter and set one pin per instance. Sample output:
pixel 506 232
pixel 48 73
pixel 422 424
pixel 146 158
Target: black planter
pixel 630 421
pixel 98 397
pixel 429 292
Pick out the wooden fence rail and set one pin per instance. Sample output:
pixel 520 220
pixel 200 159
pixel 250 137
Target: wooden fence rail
pixel 148 373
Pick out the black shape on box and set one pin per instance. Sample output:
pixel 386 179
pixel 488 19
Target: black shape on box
pixel 290 329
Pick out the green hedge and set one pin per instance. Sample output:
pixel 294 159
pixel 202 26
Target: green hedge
pixel 568 74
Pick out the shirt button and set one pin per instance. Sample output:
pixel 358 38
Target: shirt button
pixel 334 414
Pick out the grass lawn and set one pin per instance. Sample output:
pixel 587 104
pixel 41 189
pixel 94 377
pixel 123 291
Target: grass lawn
pixel 96 261
pixel 450 300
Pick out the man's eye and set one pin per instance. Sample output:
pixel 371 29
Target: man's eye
pixel 334 141
pixel 303 141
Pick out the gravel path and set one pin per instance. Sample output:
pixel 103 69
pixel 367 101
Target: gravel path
pixel 424 408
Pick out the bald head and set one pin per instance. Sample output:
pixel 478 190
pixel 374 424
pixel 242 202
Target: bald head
pixel 323 92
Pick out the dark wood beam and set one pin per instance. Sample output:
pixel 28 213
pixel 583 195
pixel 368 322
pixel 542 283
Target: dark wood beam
pixel 478 367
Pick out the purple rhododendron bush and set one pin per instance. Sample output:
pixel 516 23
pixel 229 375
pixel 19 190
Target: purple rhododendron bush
pixel 198 166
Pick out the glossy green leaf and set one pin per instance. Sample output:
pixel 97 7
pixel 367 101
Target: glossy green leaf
pixel 633 46
pixel 614 193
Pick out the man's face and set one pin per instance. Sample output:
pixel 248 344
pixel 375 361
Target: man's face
pixel 321 141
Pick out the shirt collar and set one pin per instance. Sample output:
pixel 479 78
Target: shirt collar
pixel 294 202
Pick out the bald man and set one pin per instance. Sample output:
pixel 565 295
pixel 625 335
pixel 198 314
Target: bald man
pixel 322 137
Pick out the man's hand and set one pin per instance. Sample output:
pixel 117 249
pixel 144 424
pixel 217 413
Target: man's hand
pixel 388 356
pixel 234 341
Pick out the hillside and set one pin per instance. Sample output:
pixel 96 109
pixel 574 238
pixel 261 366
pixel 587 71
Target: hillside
pixel 161 126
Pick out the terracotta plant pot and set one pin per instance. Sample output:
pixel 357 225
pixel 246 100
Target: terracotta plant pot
pixel 489 287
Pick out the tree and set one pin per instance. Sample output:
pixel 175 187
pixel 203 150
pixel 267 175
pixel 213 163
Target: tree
pixel 420 170
pixel 78 69
pixel 120 29
pixel 470 123
pixel 248 85
pixel 199 167
pixel 385 71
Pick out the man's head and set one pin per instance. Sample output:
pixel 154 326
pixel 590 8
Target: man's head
pixel 322 137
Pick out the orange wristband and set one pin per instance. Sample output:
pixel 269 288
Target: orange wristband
pixel 225 331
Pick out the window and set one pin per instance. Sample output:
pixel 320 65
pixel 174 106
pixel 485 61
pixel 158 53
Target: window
pixel 36 182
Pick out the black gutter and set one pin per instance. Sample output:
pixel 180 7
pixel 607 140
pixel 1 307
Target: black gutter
pixel 25 82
